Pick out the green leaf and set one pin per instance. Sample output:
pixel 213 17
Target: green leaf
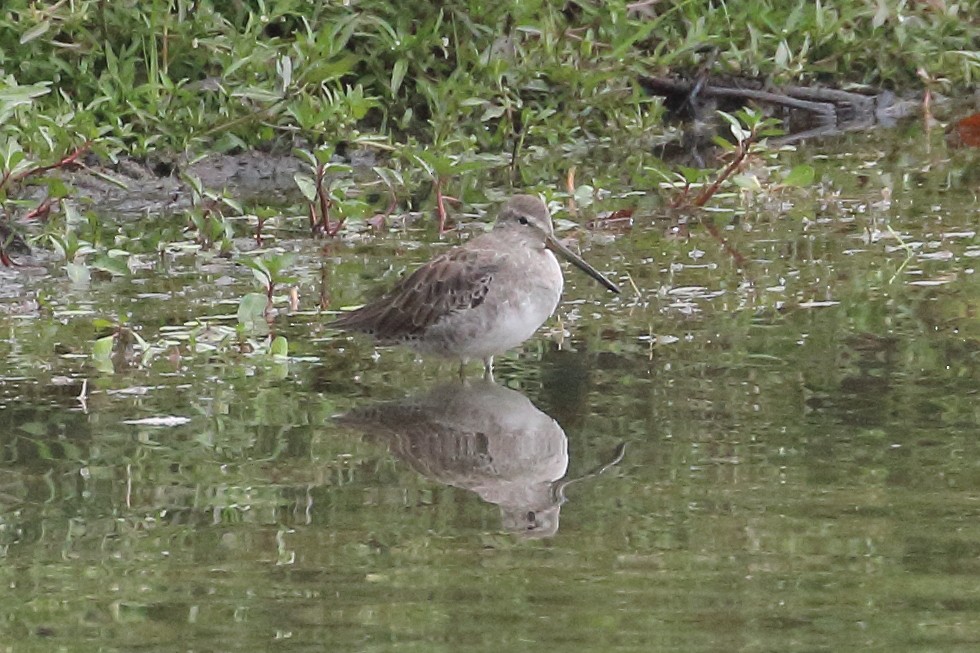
pixel 325 70
pixel 584 195
pixel 284 69
pixel 111 265
pixel 72 216
pixel 258 94
pixel 747 181
pixel 78 273
pixel 143 344
pixel 324 154
pixel 426 161
pixel 279 347
pixel 262 275
pixel 251 310
pixel 783 54
pixel 233 204
pixel 623 45
pixel 729 118
pixel 800 176
pixel 306 185
pixel 391 178
pixel 491 112
pixel 23 94
pixel 398 75
pixel 35 32
pixel 12 159
pixel 722 143
pixel 306 156
pixel 102 349
pixel 693 175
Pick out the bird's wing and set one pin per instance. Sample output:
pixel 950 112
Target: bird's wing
pixel 456 281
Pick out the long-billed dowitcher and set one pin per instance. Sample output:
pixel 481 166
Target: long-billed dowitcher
pixel 480 299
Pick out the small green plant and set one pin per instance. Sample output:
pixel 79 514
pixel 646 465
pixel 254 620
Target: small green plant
pixel 255 309
pixel 207 219
pixel 441 166
pixel 330 192
pixel 749 129
pixel 324 189
pixel 269 270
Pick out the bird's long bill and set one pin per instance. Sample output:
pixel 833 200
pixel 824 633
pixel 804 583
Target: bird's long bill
pixel 552 243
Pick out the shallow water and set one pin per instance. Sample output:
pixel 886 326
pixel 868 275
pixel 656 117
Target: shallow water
pixel 783 457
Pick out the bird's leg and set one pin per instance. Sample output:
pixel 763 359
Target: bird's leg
pixel 488 369
pixel 462 370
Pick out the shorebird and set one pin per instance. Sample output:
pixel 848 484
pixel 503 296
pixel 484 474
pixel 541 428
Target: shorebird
pixel 480 299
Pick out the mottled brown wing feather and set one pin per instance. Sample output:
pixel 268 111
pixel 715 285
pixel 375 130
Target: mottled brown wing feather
pixel 455 281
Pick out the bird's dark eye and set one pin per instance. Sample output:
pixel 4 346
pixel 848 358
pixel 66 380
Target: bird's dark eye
pixel 522 220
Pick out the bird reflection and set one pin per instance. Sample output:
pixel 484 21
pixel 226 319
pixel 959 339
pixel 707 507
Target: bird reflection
pixel 481 437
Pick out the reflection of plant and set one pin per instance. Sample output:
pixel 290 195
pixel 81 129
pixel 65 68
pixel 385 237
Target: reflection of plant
pixel 124 348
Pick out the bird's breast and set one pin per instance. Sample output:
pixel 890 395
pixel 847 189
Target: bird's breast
pixel 522 296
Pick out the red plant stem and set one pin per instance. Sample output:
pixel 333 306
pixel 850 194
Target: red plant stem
pixel 713 230
pixel 42 210
pixel 710 190
pixel 65 161
pixel 324 202
pixel 570 189
pixel 337 225
pixel 679 199
pixel 392 203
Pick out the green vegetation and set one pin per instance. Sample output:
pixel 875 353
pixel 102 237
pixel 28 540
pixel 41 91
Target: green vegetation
pixel 448 99
pixel 467 78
